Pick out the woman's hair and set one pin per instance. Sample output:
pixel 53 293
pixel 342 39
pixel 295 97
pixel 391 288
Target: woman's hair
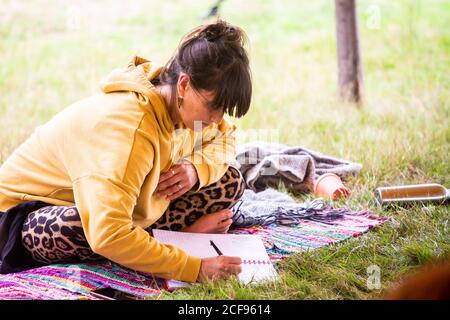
pixel 214 57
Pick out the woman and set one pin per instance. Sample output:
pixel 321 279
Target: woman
pixel 151 151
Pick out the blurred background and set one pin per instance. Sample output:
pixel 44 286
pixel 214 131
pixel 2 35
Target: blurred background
pixel 55 52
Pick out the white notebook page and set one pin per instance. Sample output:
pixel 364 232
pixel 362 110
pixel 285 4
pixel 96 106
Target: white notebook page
pixel 256 264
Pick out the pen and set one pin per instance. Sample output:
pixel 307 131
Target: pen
pixel 215 247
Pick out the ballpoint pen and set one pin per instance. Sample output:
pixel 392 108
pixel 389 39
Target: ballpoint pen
pixel 215 247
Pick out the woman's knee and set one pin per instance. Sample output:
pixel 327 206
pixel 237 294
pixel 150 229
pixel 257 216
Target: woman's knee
pixel 220 195
pixel 55 234
pixel 212 198
pixel 234 184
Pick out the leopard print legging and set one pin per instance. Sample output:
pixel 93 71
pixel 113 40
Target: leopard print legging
pixel 54 234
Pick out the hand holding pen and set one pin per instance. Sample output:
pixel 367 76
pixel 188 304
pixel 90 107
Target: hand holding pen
pixel 220 267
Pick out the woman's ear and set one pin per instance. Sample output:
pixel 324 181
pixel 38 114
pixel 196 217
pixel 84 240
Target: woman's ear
pixel 183 84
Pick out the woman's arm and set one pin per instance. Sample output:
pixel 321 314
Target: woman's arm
pixel 109 164
pixel 105 208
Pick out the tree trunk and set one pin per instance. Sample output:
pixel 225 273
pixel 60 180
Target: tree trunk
pixel 349 62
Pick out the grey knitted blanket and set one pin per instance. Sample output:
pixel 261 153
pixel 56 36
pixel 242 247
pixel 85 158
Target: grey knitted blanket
pixel 265 164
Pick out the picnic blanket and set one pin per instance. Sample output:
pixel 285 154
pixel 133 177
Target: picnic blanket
pixel 74 281
pixel 282 241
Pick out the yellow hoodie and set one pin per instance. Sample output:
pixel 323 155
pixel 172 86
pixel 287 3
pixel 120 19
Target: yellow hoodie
pixel 105 154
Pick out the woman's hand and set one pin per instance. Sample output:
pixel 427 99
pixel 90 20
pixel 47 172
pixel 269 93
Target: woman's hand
pixel 221 267
pixel 178 180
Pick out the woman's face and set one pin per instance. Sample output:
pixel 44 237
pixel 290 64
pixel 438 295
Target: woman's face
pixel 194 111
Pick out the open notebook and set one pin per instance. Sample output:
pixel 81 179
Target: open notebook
pixel 256 264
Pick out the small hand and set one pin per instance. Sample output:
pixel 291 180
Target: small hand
pixel 178 180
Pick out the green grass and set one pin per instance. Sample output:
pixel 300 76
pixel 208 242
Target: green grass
pixel 401 136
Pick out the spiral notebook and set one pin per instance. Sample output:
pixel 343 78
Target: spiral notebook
pixel 256 264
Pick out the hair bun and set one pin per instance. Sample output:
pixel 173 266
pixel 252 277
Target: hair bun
pixel 214 57
pixel 220 29
pixel 210 35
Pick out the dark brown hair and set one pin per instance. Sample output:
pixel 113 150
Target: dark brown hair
pixel 214 57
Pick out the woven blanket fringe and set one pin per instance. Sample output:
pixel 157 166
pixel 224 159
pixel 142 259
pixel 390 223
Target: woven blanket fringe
pixel 316 210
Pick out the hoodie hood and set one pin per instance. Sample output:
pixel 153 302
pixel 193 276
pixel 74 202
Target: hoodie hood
pixel 136 77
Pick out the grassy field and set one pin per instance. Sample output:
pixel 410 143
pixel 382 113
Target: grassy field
pixel 53 54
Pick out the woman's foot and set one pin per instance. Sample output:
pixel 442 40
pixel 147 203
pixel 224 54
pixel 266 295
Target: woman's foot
pixel 218 222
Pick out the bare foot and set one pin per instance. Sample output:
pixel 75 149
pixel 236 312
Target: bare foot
pixel 218 222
